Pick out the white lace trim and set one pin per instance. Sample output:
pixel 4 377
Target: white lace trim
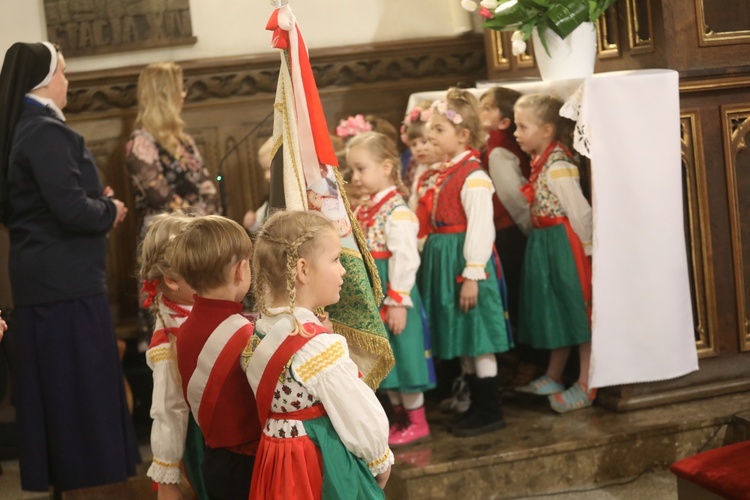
pixel 383 466
pixel 571 109
pixel 165 475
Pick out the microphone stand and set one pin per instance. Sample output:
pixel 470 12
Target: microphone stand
pixel 220 180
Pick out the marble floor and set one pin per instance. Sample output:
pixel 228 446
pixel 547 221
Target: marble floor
pixel 590 454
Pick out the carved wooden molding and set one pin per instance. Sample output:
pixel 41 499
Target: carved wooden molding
pixel 736 127
pixel 499 50
pixel 607 35
pixel 432 61
pixel 640 26
pixel 708 35
pixel 699 237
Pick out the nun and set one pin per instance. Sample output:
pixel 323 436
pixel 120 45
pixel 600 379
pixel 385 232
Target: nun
pixel 74 428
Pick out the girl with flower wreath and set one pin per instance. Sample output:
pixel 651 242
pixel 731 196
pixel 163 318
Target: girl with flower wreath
pixel 175 436
pixel 423 153
pixel 460 272
pixel 391 232
pixel 555 303
pixel 166 168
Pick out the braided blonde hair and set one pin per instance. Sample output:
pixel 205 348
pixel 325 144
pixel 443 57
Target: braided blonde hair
pixel 286 237
pixel 160 234
pixel 155 247
pixel 465 104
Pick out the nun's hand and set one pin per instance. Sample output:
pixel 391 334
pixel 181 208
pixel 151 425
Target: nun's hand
pixel 122 211
pixel 108 192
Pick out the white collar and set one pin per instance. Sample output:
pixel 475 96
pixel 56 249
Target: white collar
pixel 303 315
pixel 382 194
pixel 45 101
pixel 459 157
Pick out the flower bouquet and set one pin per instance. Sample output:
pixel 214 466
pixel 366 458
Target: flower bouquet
pixel 522 16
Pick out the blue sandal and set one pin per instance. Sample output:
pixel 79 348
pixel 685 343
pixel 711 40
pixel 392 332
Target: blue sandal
pixel 575 398
pixel 543 386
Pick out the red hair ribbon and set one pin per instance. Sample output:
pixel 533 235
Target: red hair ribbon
pixel 149 287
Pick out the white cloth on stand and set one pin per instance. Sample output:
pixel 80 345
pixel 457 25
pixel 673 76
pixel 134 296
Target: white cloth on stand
pixel 643 319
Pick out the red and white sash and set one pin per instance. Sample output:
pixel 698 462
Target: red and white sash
pixel 220 354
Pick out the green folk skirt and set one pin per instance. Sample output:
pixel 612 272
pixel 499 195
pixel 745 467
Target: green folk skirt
pixel 481 330
pixel 414 370
pixel 552 312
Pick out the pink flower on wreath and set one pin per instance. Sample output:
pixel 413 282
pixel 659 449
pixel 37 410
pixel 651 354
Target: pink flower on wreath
pixel 416 114
pixel 352 126
pixel 452 115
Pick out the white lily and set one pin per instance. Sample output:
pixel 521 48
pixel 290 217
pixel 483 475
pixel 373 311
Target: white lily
pixel 469 5
pixel 518 47
pixel 516 36
pixel 489 4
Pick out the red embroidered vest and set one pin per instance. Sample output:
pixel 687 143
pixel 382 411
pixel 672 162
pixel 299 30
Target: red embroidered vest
pixel 449 211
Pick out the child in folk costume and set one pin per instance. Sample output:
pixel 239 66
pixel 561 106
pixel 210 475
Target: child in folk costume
pixel 459 274
pixel 556 288
pixel 212 255
pixel 509 169
pixel 325 434
pixel 423 153
pixel 391 231
pixel 175 436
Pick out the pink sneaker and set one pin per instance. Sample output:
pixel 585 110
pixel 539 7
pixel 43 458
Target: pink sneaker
pixel 400 420
pixel 416 432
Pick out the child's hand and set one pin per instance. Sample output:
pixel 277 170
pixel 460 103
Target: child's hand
pixel 3 327
pixel 469 293
pixel 395 318
pixel 382 478
pixel 108 192
pixel 169 492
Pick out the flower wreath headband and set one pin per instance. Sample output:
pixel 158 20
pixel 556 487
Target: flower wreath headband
pixel 353 125
pixel 417 114
pixel 441 106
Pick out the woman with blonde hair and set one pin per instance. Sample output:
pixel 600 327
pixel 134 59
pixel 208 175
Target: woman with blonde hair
pixel 167 170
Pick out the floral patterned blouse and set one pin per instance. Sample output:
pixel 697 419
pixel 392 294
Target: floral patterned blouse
pixel 164 182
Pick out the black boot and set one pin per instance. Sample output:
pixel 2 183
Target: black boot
pixel 485 414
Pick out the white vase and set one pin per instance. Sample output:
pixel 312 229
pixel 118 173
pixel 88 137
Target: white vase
pixel 573 57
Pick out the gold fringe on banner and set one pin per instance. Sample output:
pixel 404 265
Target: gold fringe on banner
pixel 372 344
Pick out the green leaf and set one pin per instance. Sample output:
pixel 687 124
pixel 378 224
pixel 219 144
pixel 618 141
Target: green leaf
pixel 566 15
pixel 540 31
pixel 518 13
pixel 542 4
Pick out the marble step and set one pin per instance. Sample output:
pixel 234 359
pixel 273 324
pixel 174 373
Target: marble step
pixel 541 452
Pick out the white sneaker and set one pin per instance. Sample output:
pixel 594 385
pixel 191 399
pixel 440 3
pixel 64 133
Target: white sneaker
pixel 460 399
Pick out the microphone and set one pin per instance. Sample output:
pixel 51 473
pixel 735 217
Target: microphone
pixel 220 179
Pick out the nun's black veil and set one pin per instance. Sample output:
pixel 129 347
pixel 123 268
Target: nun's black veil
pixel 25 66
